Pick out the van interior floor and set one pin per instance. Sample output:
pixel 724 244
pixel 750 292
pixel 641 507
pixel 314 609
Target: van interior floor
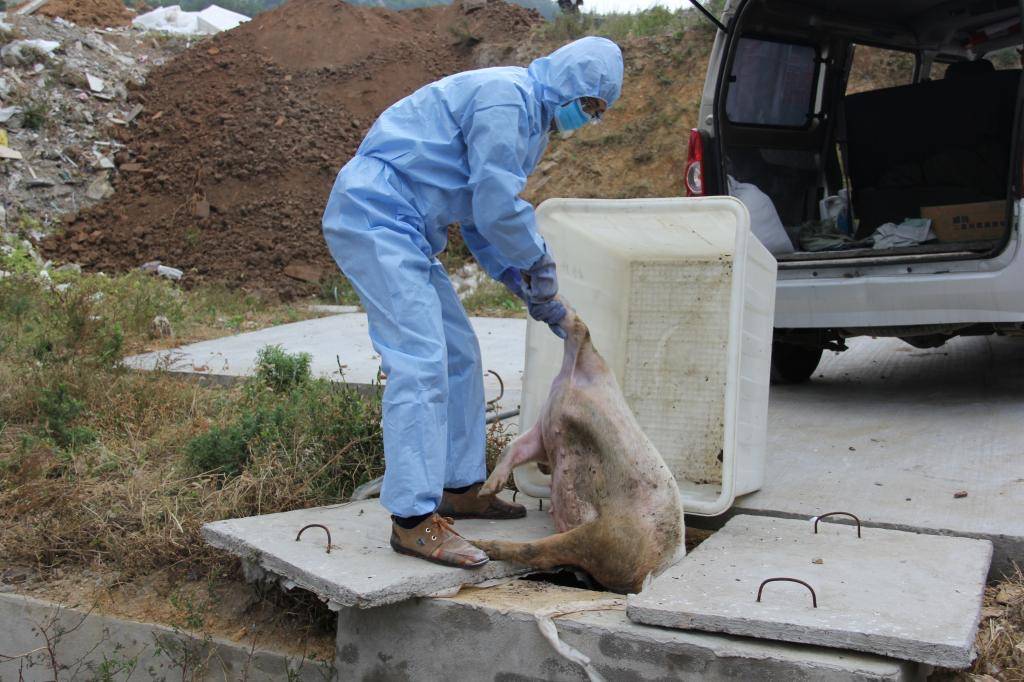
pixel 952 250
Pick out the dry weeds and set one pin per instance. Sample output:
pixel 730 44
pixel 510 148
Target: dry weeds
pixel 95 473
pixel 1000 640
pixel 98 476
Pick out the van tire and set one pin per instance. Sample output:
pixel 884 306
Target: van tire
pixel 792 364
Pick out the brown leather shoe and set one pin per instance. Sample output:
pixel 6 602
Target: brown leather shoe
pixel 436 540
pixel 471 505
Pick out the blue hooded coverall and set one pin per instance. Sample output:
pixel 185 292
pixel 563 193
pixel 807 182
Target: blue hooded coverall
pixel 457 150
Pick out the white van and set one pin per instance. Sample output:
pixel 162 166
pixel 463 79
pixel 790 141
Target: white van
pixel 855 115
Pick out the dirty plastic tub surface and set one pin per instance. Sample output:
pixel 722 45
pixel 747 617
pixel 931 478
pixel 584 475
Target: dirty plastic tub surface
pixel 679 298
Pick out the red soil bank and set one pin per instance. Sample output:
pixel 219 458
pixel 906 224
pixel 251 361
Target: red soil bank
pixel 229 169
pixel 100 13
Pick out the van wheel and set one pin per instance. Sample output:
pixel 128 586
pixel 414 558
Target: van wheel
pixel 792 364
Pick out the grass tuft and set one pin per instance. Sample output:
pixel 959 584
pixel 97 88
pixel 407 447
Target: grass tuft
pixel 59 409
pixel 492 299
pixel 281 371
pixel 335 289
pixel 35 114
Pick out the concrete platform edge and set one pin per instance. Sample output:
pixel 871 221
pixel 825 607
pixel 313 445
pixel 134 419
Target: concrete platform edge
pixel 338 594
pixel 942 656
pixel 438 638
pixel 86 643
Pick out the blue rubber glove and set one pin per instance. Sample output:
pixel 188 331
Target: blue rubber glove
pixel 541 285
pixel 513 281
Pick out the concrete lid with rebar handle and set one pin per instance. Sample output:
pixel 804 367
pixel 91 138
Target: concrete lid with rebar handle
pixel 905 595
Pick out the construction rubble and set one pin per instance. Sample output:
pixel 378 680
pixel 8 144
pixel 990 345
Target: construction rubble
pixel 65 113
pixel 173 19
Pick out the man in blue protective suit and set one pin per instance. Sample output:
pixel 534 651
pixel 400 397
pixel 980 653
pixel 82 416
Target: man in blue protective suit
pixel 455 151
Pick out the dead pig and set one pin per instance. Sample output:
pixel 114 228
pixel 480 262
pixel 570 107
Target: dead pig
pixel 615 503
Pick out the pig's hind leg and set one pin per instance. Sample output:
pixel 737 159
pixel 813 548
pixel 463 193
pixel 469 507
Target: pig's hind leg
pixel 526 448
pixel 560 549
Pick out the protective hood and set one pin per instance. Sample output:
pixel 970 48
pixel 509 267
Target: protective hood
pixel 589 67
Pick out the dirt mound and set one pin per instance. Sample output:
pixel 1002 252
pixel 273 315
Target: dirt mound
pixel 99 13
pixel 639 150
pixel 229 169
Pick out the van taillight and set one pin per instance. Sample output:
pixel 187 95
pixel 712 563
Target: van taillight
pixel 694 176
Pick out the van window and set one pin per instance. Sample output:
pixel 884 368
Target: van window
pixel 772 84
pixel 1006 59
pixel 875 68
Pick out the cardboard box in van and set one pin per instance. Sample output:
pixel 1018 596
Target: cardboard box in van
pixel 967 222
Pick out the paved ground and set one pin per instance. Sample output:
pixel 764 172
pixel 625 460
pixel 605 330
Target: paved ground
pixel 339 339
pixel 897 434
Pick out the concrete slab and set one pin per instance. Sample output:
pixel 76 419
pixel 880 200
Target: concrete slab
pixel 893 433
pixel 361 569
pixel 492 634
pixel 88 645
pixel 902 595
pixel 339 338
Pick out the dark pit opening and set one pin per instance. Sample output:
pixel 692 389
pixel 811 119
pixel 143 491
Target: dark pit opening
pixel 567 577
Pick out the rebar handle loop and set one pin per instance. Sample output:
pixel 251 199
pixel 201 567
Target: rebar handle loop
pixel 501 390
pixel 316 525
pixel 836 513
pixel 814 597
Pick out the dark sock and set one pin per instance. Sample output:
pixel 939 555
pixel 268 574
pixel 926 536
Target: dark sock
pixel 408 522
pixel 463 489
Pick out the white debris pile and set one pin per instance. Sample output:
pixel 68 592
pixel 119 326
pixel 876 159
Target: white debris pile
pixel 64 109
pixel 467 279
pixel 173 19
pixel 21 52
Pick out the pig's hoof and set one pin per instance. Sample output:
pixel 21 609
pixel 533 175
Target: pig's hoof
pixel 490 548
pixel 476 503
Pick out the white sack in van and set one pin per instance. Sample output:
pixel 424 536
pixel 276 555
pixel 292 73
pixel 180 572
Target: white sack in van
pixel 910 232
pixel 764 219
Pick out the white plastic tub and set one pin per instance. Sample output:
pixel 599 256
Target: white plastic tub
pixel 679 298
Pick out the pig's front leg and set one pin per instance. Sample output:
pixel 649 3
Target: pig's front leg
pixel 526 448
